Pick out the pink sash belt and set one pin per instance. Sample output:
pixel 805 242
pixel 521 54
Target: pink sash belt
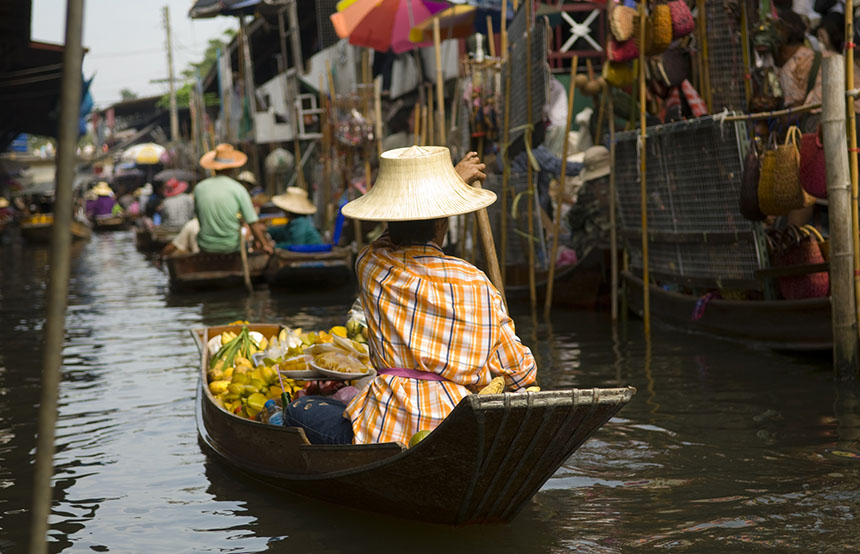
pixel 410 374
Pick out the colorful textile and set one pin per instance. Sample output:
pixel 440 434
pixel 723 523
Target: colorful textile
pixel 217 200
pixel 103 206
pixel 436 313
pixel 299 231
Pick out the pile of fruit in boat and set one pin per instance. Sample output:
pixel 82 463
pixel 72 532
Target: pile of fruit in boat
pixel 250 375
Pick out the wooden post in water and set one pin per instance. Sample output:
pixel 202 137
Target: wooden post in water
pixel 643 156
pixel 613 236
pixel 844 316
pixel 852 150
pixel 440 82
pixel 58 287
pixel 530 212
pixel 556 223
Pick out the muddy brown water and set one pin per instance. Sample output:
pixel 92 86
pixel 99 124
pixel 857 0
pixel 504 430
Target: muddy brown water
pixel 723 449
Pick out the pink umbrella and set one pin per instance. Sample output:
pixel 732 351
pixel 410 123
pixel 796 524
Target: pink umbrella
pixel 385 24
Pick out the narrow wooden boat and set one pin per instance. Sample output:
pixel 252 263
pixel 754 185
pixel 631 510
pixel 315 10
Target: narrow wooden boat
pixel 155 239
pixel 488 458
pixel 776 324
pixel 207 270
pixel 584 284
pixel 39 227
pixel 111 223
pixel 310 269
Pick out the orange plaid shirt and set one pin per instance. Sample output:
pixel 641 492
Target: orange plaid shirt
pixel 436 313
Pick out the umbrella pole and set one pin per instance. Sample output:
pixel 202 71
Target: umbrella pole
pixel 556 222
pixel 530 211
pixel 431 116
pixel 440 83
pixel 643 194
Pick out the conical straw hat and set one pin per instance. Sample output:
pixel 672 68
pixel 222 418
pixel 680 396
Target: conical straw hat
pixel 296 201
pixel 414 183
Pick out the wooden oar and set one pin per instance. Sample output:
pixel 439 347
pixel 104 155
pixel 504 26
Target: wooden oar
pixel 489 245
pixel 243 253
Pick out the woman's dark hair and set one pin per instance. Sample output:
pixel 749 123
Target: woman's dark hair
pixel 403 233
pixel 793 26
pixel 834 25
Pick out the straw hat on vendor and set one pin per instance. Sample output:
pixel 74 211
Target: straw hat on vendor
pixel 102 189
pixel 4 203
pixel 223 157
pixel 295 201
pixel 174 187
pixel 596 164
pixel 417 183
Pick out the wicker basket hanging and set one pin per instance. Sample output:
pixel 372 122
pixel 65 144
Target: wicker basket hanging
pixel 812 171
pixel 779 189
pixel 659 30
pixel 795 246
pixel 682 19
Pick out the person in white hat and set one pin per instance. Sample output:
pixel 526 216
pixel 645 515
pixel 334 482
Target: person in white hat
pixel 299 230
pixel 218 199
pixel 588 218
pixel 438 330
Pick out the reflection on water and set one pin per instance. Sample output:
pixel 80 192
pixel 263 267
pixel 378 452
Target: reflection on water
pixel 723 449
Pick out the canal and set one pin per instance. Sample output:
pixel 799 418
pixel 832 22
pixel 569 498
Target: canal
pixel 723 449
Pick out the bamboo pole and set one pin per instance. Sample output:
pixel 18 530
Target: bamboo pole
pixel 601 114
pixel 440 83
pixel 424 124
pixel 530 171
pixel 325 145
pixel 489 246
pixel 331 92
pixel 61 237
pixel 431 123
pixel 841 209
pixel 613 238
pixel 643 155
pixel 745 45
pixel 556 222
pixel 852 149
pixel 300 173
pixel 506 138
pixel 377 108
pixel 491 38
pixel 706 64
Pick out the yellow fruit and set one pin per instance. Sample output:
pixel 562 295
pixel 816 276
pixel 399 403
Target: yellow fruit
pixel 339 330
pixel 263 344
pixel 360 347
pixel 533 389
pixel 217 387
pixel 274 391
pixel 240 378
pixel 282 336
pixel 268 375
pixel 259 384
pixel 225 338
pixel 218 365
pixel 418 437
pixel 255 404
pixel 231 397
pixel 254 374
pixel 250 389
pixel 496 386
pixel 236 388
pixel 215 375
pixel 228 373
pixel 324 337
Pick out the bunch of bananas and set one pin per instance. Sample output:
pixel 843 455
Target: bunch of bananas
pixel 356 331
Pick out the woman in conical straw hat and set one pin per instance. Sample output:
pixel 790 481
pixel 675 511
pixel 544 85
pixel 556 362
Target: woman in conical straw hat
pixel 300 229
pixel 218 199
pixel 437 328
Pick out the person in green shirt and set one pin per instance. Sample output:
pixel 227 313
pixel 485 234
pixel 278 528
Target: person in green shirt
pixel 300 229
pixel 220 200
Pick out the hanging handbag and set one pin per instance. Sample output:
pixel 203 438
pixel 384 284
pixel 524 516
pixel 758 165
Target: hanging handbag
pixel 795 246
pixel 618 74
pixel 622 51
pixel 682 19
pixel 779 190
pixel 813 175
pixel 749 183
pixel 622 21
pixel 658 30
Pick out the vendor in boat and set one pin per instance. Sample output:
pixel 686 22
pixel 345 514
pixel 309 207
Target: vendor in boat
pixel 438 329
pixel 185 242
pixel 218 199
pixel 299 230
pixel 177 208
pixel 588 217
pixel 104 204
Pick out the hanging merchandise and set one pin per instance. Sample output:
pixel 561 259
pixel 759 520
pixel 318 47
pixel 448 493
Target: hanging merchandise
pixel 622 21
pixel 813 175
pixel 622 51
pixel 618 74
pixel 352 128
pixel 750 182
pixel 697 105
pixel 658 30
pixel 795 246
pixel 682 19
pixel 779 189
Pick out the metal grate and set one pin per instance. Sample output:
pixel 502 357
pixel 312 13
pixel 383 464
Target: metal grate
pixel 693 182
pixel 540 81
pixel 725 58
pixel 517 28
pixel 325 29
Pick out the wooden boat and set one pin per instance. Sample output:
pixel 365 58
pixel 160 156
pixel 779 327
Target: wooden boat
pixel 155 239
pixel 310 269
pixel 776 324
pixel 110 223
pixel 584 284
pixel 488 458
pixel 208 270
pixel 39 227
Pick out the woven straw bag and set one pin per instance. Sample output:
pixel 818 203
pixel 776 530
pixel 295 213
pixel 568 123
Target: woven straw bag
pixel 659 30
pixel 812 171
pixel 823 243
pixel 622 22
pixel 749 183
pixel 796 246
pixel 618 74
pixel 779 190
pixel 682 19
pixel 622 51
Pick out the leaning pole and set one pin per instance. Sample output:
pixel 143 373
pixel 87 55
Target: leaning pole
pixel 844 317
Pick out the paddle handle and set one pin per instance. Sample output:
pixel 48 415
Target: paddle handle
pixel 489 246
pixel 243 253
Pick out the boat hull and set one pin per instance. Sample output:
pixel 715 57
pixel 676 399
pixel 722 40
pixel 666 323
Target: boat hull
pixel 207 270
pixel 778 324
pixel 482 464
pixel 41 232
pixel 115 223
pixel 583 285
pixel 155 239
pixel 310 270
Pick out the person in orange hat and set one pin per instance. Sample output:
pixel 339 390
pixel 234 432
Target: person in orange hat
pixel 218 199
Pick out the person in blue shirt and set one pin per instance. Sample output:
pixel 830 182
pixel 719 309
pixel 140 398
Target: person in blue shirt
pixel 300 229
